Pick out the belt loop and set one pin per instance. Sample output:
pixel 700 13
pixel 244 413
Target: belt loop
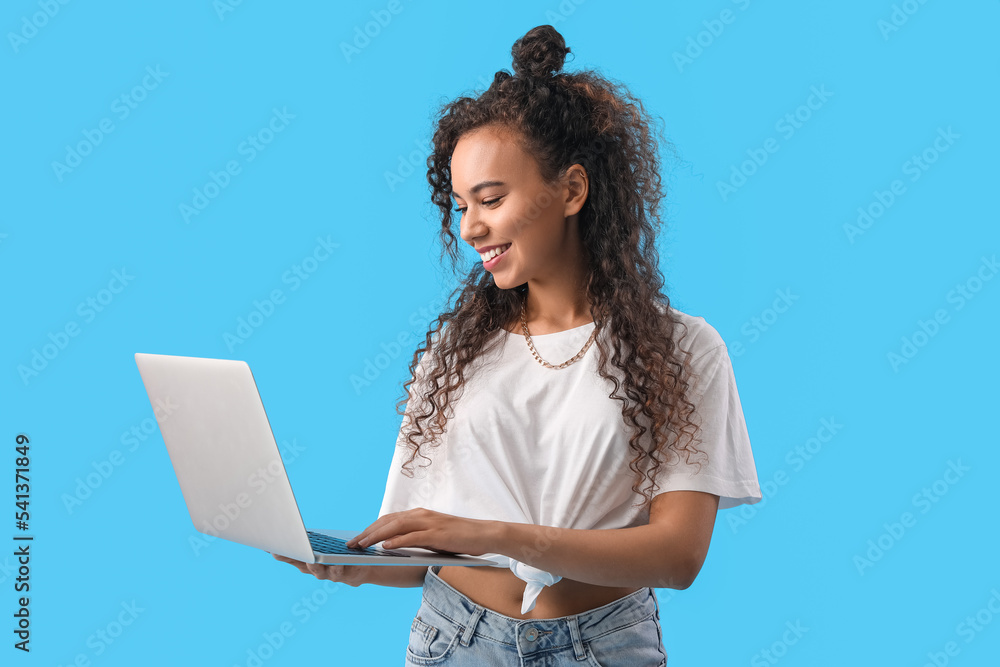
pixel 574 632
pixel 470 626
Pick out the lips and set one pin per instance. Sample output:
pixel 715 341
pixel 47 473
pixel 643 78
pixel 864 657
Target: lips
pixel 492 251
pixel 494 259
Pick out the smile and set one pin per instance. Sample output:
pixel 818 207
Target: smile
pixel 493 256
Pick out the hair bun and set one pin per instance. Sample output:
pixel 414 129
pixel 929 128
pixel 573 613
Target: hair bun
pixel 539 54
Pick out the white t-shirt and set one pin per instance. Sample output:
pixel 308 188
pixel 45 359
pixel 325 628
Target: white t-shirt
pixel 530 444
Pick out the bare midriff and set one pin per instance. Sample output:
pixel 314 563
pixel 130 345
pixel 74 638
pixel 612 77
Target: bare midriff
pixel 501 590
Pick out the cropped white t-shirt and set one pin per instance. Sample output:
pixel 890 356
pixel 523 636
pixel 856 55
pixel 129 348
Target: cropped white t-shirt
pixel 530 444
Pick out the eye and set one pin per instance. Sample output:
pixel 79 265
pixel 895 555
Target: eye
pixel 488 202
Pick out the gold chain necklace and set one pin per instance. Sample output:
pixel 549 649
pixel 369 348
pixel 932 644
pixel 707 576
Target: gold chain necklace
pixel 527 337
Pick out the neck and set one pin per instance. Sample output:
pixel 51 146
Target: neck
pixel 556 306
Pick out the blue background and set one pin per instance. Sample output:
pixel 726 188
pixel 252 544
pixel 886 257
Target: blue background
pixel 347 167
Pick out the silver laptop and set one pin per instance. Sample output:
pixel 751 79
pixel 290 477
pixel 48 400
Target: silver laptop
pixel 231 473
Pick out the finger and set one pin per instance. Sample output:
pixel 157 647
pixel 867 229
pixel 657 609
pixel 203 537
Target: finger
pixel 331 572
pixel 299 565
pixel 418 538
pixel 382 527
pixel 375 525
pixel 286 559
pixel 390 530
pixel 374 533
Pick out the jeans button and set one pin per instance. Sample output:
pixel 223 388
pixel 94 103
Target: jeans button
pixel 531 635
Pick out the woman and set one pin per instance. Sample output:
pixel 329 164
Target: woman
pixel 561 430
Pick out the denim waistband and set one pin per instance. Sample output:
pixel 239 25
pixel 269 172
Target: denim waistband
pixel 536 635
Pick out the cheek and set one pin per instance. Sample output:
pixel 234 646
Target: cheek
pixel 544 238
pixel 530 229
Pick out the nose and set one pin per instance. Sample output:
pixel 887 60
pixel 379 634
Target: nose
pixel 471 226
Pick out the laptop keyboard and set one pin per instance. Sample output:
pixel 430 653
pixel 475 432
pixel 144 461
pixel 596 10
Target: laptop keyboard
pixel 325 544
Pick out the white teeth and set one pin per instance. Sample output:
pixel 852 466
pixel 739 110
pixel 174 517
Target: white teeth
pixel 487 256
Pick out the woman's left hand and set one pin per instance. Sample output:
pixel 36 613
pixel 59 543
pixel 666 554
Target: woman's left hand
pixel 432 530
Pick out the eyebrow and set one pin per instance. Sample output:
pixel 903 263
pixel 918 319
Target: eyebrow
pixel 479 186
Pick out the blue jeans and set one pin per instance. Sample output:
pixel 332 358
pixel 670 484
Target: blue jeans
pixel 450 629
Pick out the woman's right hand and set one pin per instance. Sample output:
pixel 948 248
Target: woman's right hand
pixel 352 575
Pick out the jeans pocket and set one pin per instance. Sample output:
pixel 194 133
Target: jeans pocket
pixel 432 638
pixel 636 645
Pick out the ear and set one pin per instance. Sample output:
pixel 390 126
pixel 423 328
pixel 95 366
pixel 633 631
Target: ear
pixel 577 187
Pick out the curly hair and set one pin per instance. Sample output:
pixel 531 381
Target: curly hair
pixel 562 119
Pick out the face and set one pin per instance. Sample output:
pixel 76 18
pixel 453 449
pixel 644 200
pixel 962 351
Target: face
pixel 503 201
